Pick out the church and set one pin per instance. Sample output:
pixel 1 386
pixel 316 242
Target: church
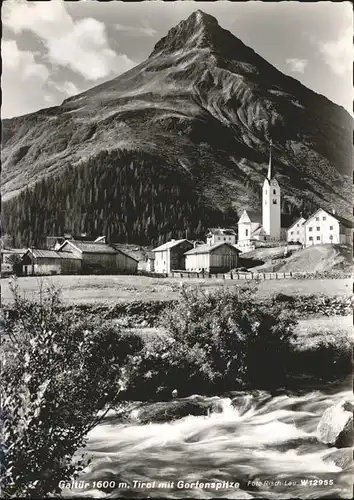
pixel 265 225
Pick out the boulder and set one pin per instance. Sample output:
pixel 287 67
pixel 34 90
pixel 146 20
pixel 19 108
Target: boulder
pixel 336 425
pixel 342 458
pixel 173 410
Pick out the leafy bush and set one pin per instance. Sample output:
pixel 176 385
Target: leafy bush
pixel 60 375
pixel 166 364
pixel 219 341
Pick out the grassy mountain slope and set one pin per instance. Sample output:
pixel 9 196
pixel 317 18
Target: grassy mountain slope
pixel 204 105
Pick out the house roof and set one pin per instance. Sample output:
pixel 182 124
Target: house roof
pixel 345 222
pixel 295 222
pixel 50 254
pixel 253 215
pixel 41 253
pixel 119 250
pixel 19 251
pixel 210 248
pixel 68 255
pixel 221 231
pixel 169 244
pixel 90 247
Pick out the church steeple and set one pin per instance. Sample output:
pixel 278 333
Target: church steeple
pixel 271 203
pixel 270 167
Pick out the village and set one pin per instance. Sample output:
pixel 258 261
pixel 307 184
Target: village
pixel 224 249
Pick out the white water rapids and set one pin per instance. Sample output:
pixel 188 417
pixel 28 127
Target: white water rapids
pixel 256 439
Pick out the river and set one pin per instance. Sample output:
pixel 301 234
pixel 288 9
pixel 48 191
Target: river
pixel 255 438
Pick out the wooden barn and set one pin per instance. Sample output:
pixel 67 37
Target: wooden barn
pixel 48 262
pixel 99 258
pixel 212 258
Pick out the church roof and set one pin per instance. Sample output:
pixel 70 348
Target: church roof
pixel 259 230
pixel 254 216
pixel 270 172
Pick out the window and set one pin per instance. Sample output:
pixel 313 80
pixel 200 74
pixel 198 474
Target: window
pixel 318 238
pixel 246 232
pixel 297 225
pixel 318 228
pixel 266 191
pixel 265 202
pixel 297 232
pixel 224 239
pixel 310 228
pixel 274 202
pixel 317 218
pixel 291 232
pixel 324 217
pixel 331 228
pixel 310 238
pixel 274 191
pixel 331 236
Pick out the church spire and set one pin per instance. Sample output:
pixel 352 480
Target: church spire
pixel 270 170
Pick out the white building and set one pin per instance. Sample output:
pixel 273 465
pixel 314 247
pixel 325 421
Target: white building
pixel 324 227
pixel 216 235
pixel 296 232
pixel 170 256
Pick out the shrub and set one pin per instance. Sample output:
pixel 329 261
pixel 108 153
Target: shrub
pixel 220 341
pixel 166 364
pixel 60 375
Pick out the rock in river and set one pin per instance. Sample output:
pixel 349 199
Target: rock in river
pixel 178 408
pixel 336 425
pixel 342 458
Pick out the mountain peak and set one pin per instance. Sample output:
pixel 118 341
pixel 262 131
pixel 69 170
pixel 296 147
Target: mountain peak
pixel 194 32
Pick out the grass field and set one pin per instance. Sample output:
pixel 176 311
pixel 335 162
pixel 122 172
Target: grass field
pixel 113 289
pixel 310 332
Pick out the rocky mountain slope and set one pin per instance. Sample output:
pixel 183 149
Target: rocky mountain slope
pixel 204 106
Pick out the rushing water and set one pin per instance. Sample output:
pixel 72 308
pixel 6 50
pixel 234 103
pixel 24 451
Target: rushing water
pixel 255 439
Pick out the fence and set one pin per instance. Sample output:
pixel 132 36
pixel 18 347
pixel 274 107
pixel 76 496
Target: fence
pixel 239 276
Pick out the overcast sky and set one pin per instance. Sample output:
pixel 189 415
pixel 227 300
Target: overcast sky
pixel 52 50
